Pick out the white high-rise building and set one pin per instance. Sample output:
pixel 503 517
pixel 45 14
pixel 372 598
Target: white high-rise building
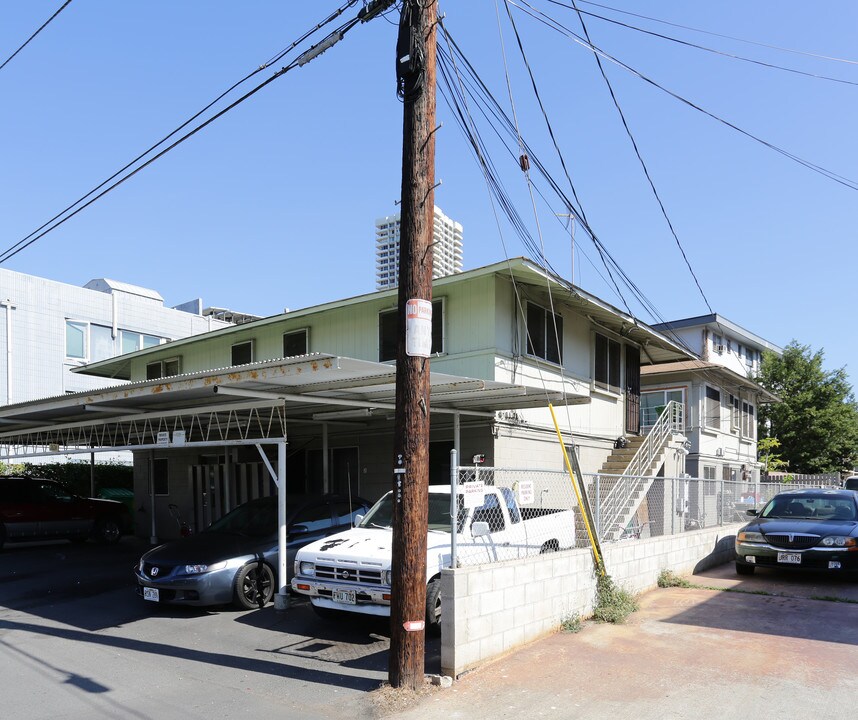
pixel 446 250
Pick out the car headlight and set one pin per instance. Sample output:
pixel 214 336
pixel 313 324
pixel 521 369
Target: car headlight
pixel 386 577
pixel 197 569
pixel 750 537
pixel 838 541
pixel 306 568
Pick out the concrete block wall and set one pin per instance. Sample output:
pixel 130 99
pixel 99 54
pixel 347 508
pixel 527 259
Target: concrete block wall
pixel 489 610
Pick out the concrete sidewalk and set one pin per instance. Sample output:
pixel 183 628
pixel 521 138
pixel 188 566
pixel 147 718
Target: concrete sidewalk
pixel 687 653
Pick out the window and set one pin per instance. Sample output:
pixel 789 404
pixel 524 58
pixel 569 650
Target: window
pixel 717 344
pixel 735 414
pixel 749 427
pixel 655 401
pixel 242 353
pixel 160 476
pixel 163 368
pixel 133 341
pixel 712 408
pixel 295 343
pixel 387 331
pixel 709 476
pixel 607 366
pixel 544 334
pixel 76 339
pixel 101 342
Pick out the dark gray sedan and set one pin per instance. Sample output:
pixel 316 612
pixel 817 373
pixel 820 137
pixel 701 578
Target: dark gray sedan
pixel 234 560
pixel 814 529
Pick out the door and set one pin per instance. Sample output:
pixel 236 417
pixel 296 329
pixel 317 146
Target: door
pixel 633 390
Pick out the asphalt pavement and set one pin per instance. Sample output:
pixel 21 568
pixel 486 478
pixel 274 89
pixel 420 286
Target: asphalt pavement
pixel 76 642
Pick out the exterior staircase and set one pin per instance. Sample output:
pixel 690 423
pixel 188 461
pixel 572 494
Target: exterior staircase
pixel 629 472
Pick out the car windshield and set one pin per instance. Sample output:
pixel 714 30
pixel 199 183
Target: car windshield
pixel 817 507
pixel 381 514
pixel 254 519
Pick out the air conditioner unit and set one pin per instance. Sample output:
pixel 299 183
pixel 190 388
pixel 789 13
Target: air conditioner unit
pixel 720 349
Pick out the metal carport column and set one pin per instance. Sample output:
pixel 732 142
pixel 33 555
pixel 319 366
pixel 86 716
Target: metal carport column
pixel 281 599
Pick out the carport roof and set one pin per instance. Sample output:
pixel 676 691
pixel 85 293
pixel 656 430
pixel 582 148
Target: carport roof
pixel 241 404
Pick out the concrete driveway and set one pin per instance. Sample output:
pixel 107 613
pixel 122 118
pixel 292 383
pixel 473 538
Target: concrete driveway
pixel 687 653
pixel 76 642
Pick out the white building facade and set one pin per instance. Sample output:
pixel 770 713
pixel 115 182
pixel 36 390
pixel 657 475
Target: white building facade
pixel 718 391
pixel 446 250
pixel 47 328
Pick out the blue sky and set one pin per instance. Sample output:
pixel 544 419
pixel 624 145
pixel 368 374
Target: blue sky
pixel 273 205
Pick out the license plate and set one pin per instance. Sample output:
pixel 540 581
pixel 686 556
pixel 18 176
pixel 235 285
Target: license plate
pixel 343 596
pixel 789 558
pixel 151 594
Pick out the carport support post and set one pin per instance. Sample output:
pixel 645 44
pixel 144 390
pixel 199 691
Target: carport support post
pixel 281 599
pixel 153 538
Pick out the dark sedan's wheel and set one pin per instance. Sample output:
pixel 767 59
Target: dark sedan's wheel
pixel 433 607
pixel 251 586
pixel 107 531
pixel 744 569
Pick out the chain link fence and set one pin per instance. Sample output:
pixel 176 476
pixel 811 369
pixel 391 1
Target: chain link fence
pixel 505 514
pixel 626 508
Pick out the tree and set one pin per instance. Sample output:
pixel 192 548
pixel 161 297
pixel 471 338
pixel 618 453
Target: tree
pixel 816 421
pixel 772 461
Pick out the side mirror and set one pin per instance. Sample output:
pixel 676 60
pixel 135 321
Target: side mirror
pixel 479 529
pixel 752 511
pixel 299 530
pixel 359 519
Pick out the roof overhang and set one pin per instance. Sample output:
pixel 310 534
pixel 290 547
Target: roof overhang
pixel 242 404
pixel 720 374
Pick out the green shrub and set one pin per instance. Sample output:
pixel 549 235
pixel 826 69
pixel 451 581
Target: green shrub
pixel 76 475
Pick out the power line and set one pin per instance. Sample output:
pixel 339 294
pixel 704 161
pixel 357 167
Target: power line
pixel 489 107
pixel 714 34
pixel 562 29
pixel 27 42
pixel 644 166
pixel 67 213
pixel 695 46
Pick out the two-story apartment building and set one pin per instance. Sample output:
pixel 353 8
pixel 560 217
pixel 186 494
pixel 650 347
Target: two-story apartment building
pixel 719 391
pixel 512 324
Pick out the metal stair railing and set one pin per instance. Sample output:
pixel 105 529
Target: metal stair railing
pixel 624 497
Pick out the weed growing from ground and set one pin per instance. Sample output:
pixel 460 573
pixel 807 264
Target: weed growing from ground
pixel 571 623
pixel 668 578
pixel 613 604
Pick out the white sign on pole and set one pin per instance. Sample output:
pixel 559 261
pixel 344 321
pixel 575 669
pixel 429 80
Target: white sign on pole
pixel 418 328
pixel 474 493
pixel 525 492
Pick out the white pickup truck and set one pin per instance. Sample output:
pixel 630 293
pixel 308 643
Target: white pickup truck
pixel 350 571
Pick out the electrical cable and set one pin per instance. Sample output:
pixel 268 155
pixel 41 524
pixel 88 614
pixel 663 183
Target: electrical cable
pixel 644 166
pixel 26 241
pixel 695 46
pixel 714 34
pixel 499 115
pixel 27 42
pixel 559 27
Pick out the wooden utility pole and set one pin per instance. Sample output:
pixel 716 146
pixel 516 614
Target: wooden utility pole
pixel 415 58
